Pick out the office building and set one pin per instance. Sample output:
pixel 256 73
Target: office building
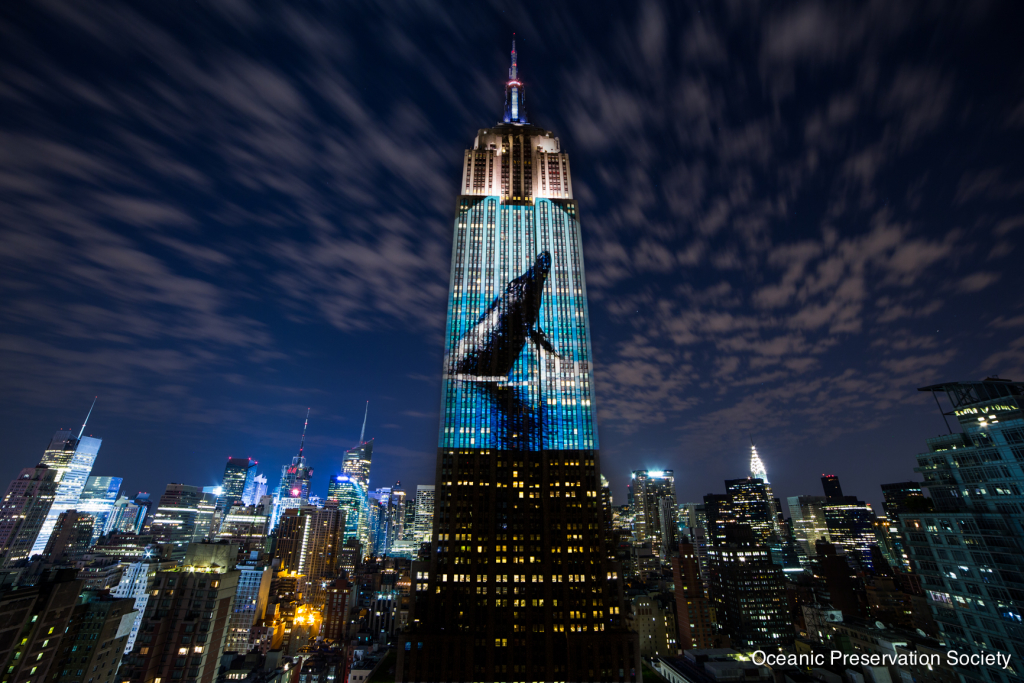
pixel 25 508
pixel 356 466
pixel 73 457
pixel 184 628
pixel 259 489
pixel 250 603
pixel 693 613
pixel 424 512
pixel 97 500
pixel 904 496
pixel 752 504
pixel 654 509
pixel 128 515
pixel 238 484
pixel 968 550
pixel 70 538
pixel 95 639
pixel 351 498
pixel 309 542
pixel 850 522
pixel 247 527
pixel 135 583
pixel 808 517
pixel 518 584
pixel 183 515
pixel 34 624
pixel 748 591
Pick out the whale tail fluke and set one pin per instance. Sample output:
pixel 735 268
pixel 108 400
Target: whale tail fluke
pixel 540 340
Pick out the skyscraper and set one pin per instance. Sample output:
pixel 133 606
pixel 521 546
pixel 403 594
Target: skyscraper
pixel 850 522
pixel 518 585
pixel 424 512
pixel 356 466
pixel 809 525
pixel 904 496
pixel 183 515
pixel 238 483
pixel 749 591
pixel 968 550
pixel 97 500
pixel 652 521
pixel 293 491
pixel 128 515
pixel 351 498
pixel 25 507
pixel 73 457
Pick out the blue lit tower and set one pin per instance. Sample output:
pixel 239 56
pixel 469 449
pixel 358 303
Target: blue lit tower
pixel 518 525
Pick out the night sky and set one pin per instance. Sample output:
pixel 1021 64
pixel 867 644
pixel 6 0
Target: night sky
pixel 215 215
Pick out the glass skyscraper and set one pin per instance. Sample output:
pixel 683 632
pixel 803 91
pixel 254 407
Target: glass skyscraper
pixel 518 585
pixel 73 458
pixel 238 483
pixel 98 499
pixel 969 551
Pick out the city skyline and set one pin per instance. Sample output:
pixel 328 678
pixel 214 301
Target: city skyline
pixel 807 230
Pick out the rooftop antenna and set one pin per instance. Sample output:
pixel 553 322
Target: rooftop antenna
pixel 365 414
pixel 302 442
pixel 82 430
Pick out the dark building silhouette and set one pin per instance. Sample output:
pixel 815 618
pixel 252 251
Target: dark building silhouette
pixel 748 591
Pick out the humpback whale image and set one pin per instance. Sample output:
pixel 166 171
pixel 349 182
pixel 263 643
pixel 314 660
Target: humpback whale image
pixel 489 349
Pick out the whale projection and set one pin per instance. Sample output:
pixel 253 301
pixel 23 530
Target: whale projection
pixel 489 349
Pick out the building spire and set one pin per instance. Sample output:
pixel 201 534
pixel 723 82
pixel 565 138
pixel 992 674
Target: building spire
pixel 299 459
pixel 513 72
pixel 82 430
pixel 515 96
pixel 757 469
pixel 365 415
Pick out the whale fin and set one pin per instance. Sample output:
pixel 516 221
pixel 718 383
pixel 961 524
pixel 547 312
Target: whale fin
pixel 540 340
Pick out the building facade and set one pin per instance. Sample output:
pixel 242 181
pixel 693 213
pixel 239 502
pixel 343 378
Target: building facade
pixel 518 585
pixel 969 551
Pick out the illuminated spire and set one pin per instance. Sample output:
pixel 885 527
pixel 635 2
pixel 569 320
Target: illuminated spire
pixel 299 459
pixel 756 466
pixel 515 96
pixel 82 430
pixel 363 433
pixel 513 73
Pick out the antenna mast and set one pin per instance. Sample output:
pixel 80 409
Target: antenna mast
pixel 302 443
pixel 365 414
pixel 82 430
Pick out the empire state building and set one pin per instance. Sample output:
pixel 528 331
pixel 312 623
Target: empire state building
pixel 519 584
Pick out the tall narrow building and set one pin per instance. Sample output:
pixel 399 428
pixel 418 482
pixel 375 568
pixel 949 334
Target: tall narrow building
pixel 73 457
pixel 518 585
pixel 97 500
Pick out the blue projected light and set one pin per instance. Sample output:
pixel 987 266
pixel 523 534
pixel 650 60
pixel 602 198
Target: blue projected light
pixel 517 367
